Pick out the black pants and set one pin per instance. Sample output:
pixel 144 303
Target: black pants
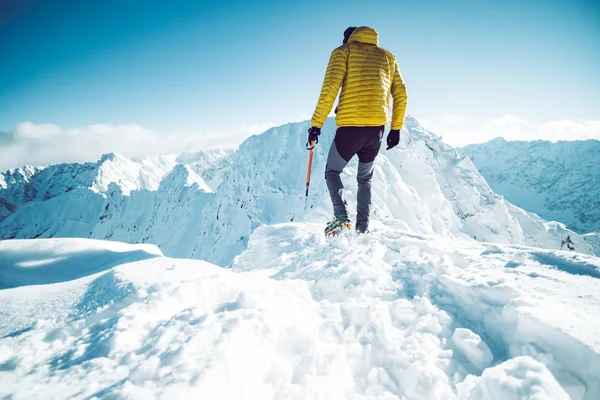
pixel 365 142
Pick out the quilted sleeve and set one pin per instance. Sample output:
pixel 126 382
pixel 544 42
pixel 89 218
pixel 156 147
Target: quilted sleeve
pixel 400 99
pixel 334 76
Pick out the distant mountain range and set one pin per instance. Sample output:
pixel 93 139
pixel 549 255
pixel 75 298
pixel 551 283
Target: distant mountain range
pixel 558 181
pixel 206 205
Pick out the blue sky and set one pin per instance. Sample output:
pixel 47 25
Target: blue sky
pixel 220 66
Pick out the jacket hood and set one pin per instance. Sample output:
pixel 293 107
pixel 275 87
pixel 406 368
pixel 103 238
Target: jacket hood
pixel 364 34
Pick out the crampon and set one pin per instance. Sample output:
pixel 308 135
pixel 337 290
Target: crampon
pixel 335 227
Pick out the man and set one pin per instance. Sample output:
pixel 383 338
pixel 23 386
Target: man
pixel 367 75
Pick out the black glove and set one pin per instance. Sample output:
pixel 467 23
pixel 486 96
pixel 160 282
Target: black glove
pixel 393 138
pixel 313 135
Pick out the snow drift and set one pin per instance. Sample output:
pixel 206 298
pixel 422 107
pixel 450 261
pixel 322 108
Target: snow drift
pixel 390 315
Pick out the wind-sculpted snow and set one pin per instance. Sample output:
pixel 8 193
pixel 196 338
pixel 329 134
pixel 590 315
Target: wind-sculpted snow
pixel 559 181
pixel 206 205
pixel 48 261
pixel 389 315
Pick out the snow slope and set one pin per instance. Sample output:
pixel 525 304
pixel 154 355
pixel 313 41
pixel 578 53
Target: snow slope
pixel 558 181
pixel 390 315
pixel 593 238
pixel 207 205
pixel 13 189
pixel 211 165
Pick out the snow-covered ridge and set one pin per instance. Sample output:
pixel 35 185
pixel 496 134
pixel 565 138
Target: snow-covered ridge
pixel 593 238
pixel 39 184
pixel 424 184
pixel 209 164
pixel 390 315
pixel 206 205
pixel 558 181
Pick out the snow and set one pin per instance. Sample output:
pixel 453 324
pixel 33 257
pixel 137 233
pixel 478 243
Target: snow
pixel 455 294
pixel 423 184
pixel 389 315
pixel 209 164
pixel 51 260
pixel 16 180
pixel 593 238
pixel 519 378
pixel 507 295
pixel 472 347
pixel 130 175
pixel 558 181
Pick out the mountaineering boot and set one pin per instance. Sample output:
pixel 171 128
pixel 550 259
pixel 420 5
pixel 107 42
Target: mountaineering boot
pixel 360 230
pixel 339 223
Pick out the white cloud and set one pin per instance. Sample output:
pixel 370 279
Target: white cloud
pixel 449 118
pixel 570 130
pixel 512 127
pixel 507 124
pixel 27 130
pixel 252 129
pixel 43 144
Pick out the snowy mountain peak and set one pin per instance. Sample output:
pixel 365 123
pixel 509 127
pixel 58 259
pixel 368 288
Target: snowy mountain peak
pixel 455 293
pixel 111 157
pixel 115 168
pixel 211 165
pixel 593 238
pixel 16 176
pixel 411 122
pixel 558 181
pixel 183 176
pixel 498 140
pixel 211 202
pixel 414 132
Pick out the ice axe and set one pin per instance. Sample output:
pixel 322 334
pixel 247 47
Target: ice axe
pixel 309 146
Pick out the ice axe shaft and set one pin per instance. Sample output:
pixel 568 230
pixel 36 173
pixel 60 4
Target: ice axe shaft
pixel 310 157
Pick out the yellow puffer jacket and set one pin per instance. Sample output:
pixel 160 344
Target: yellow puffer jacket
pixel 367 75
